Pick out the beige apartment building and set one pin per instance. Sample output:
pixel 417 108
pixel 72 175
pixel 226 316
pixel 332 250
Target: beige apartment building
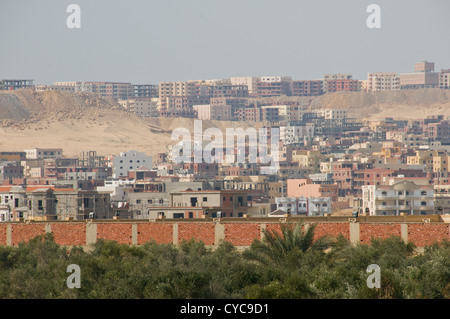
pixel 250 81
pixel 169 89
pixel 213 112
pixel 292 112
pixel 332 114
pixel 43 153
pixel 308 159
pixel 381 81
pixel 423 76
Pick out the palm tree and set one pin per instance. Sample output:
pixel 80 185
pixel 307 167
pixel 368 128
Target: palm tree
pixel 293 239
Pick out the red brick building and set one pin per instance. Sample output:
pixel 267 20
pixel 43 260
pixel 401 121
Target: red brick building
pixel 307 88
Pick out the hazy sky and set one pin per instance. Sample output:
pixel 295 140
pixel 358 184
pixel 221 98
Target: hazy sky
pixel 175 40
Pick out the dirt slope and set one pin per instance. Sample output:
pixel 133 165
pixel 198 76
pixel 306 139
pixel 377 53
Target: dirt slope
pixel 83 121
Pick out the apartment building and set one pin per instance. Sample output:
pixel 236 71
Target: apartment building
pixel 44 153
pixel 171 89
pixel 403 197
pixel 307 88
pixel 308 159
pixel 114 90
pixel 332 114
pixel 145 91
pixel 213 112
pixel 305 206
pixel 438 131
pixel 143 107
pixel 334 76
pixel 228 91
pixel 235 103
pixel 182 106
pixel 10 170
pixel 296 134
pixel 423 77
pixel 381 81
pixel 44 202
pixel 338 85
pixel 268 86
pixel 290 112
pixel 199 204
pixel 15 84
pixel 444 79
pixel 129 161
pixel 249 81
pixel 304 187
pixel 12 156
pixel 442 199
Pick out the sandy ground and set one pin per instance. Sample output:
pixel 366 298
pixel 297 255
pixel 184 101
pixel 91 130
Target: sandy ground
pixel 115 133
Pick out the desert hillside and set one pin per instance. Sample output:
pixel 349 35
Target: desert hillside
pixel 80 122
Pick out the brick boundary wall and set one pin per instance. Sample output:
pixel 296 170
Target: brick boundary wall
pixel 212 233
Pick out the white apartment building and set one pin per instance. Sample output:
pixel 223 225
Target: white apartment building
pixel 128 161
pixel 43 153
pixel 332 114
pixel 143 107
pixel 381 81
pixel 296 134
pixel 275 78
pixel 118 189
pixel 308 206
pixel 401 197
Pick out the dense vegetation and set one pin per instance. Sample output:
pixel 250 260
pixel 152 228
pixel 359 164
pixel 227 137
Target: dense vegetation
pixel 289 264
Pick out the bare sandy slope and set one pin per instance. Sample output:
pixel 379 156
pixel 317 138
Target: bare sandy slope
pixel 116 132
pixel 84 122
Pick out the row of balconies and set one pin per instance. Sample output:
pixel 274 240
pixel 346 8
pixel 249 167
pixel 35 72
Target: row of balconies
pixel 404 207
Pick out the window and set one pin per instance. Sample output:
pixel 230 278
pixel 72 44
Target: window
pixel 138 201
pixel 40 207
pixel 205 199
pixel 423 203
pixel 423 193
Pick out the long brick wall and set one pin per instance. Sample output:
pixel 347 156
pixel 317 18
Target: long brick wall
pixel 212 232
